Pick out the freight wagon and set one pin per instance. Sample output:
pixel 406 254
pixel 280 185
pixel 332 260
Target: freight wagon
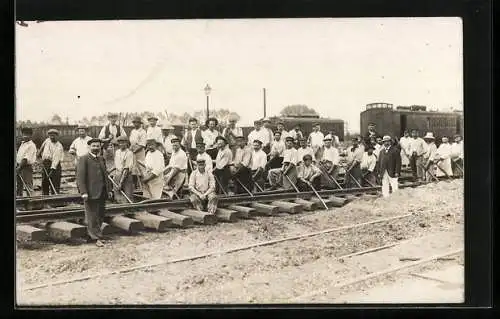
pixel 393 121
pixel 306 124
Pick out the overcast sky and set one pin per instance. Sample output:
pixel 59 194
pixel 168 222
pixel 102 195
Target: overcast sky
pixel 335 66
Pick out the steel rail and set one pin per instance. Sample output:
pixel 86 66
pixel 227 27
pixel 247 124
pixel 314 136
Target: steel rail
pixel 64 213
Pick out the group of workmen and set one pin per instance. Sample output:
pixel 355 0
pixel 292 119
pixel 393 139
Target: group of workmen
pixel 153 159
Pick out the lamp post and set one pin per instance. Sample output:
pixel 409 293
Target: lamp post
pixel 208 89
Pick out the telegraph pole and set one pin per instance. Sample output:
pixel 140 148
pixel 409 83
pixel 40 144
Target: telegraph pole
pixel 264 95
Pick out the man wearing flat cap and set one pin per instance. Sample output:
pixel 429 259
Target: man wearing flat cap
pixel 154 163
pixel 176 171
pixel 240 169
pixel 287 174
pixel 124 162
pixel 209 137
pixel 153 131
pixel 79 146
pixel 222 161
pixel 111 130
pixel 25 158
pixel 93 184
pixel 457 156
pixel 202 188
pixel 389 163
pixel 52 154
pixel 138 147
pixel 329 163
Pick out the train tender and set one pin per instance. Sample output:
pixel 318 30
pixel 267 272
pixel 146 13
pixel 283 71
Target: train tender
pixel 393 121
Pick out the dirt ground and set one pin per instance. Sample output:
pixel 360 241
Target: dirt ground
pixel 267 274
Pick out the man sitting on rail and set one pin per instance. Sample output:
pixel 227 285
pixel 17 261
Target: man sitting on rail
pixel 354 158
pixel 276 154
pixel 155 165
pixel 79 146
pixel 176 169
pixel 303 150
pixel 241 166
pixel 222 162
pixel 124 161
pixel 258 165
pixel 308 173
pixel 287 174
pixel 202 188
pixel 25 158
pixel 200 147
pixel 329 163
pixel 52 154
pixel 368 165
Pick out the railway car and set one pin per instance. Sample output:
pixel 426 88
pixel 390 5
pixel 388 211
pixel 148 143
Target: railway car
pixel 393 121
pixel 306 123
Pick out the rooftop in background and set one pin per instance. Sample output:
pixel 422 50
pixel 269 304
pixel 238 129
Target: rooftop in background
pixel 404 108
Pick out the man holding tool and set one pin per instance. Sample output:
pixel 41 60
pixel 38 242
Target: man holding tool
pixel 258 165
pixel 287 174
pixel 138 148
pixel 353 170
pixel 240 169
pixel 224 158
pixel 307 174
pixel 124 161
pixel 202 188
pixel 176 169
pixel 368 167
pixel 25 158
pixel 92 181
pixel 329 163
pixel 153 177
pixel 52 154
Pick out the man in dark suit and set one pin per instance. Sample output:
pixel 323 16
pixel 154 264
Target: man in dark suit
pixel 389 165
pixel 92 181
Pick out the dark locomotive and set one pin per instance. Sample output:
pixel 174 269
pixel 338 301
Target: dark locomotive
pixel 394 121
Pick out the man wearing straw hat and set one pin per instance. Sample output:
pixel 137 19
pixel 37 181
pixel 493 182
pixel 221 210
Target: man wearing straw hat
pixel 93 185
pixel 153 131
pixel 111 130
pixel 389 166
pixel 138 148
pixel 153 177
pixel 124 161
pixel 176 171
pixel 52 154
pixel 25 158
pixel 428 157
pixel 457 156
pixel 202 188
pixel 79 146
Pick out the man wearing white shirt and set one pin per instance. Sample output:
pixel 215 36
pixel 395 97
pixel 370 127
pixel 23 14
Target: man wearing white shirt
pixel 240 169
pixel 166 141
pixel 111 130
pixel 303 150
pixel 138 147
pixel 296 133
pixel 279 176
pixel 269 133
pixel 224 158
pixel 443 159
pixel 259 133
pixel 79 146
pixel 457 156
pixel 329 163
pixel 124 161
pixel 209 136
pixel 231 132
pixel 404 142
pixel 176 169
pixel 280 127
pixel 202 188
pixel 209 164
pixel 155 165
pixel 25 158
pixel 368 167
pixel 192 136
pixel 377 146
pixel 315 140
pixel 258 164
pixel 335 138
pixel 52 154
pixel 417 149
pixel 276 153
pixel 154 131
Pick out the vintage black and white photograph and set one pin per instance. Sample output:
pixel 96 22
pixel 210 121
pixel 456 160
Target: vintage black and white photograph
pixel 239 161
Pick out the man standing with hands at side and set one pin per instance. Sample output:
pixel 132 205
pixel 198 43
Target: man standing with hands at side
pixel 93 184
pixel 389 166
